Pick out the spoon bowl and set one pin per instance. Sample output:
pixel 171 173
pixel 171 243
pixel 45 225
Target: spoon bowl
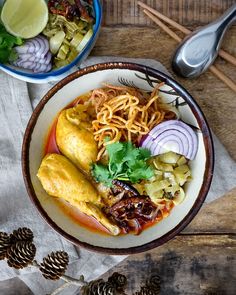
pixel 199 50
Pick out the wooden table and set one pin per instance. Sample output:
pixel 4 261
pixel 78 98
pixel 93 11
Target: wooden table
pixel 201 260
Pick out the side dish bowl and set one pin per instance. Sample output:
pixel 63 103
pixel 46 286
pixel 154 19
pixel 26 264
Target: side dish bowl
pixel 80 82
pixel 60 73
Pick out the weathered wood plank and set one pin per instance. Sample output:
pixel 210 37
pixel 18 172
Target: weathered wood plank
pixel 211 219
pixel 187 265
pixel 213 96
pixel 186 12
pixel 216 217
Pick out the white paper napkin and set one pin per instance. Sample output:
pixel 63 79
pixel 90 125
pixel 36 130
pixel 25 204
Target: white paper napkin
pixel 17 100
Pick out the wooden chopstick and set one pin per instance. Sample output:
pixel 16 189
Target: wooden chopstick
pixel 225 55
pixel 163 26
pixel 172 34
pixel 164 18
pixel 223 77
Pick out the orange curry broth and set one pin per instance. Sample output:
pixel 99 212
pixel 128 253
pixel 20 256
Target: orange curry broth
pixel 84 220
pixel 51 147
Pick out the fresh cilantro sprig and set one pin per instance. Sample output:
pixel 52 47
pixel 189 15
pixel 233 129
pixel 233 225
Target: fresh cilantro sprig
pixel 7 42
pixel 126 162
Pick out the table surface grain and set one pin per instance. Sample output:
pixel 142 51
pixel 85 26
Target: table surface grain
pixel 200 260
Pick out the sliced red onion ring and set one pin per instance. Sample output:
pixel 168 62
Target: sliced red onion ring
pixel 34 55
pixel 47 58
pixel 38 45
pixel 42 68
pixel 25 64
pixel 34 66
pixel 33 58
pixel 49 67
pixel 30 46
pixel 172 135
pixel 22 49
pixel 44 46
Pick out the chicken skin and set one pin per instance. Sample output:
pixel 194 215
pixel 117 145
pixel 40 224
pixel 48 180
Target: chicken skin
pixel 75 138
pixel 60 178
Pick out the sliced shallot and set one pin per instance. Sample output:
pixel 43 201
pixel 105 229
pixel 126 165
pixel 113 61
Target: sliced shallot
pixel 34 55
pixel 35 67
pixel 38 45
pixel 33 58
pixel 42 68
pixel 172 135
pixel 132 212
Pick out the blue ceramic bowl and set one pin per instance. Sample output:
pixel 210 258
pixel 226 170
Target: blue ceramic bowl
pixel 58 74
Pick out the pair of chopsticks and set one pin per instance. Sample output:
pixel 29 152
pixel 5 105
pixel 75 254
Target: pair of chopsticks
pixel 156 16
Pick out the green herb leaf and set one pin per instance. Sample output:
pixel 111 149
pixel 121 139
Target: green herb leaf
pixel 126 162
pixel 13 56
pixel 7 42
pixel 114 149
pixel 142 172
pixel 4 55
pixel 144 153
pixel 101 174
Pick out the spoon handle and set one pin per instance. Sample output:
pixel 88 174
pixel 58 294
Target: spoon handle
pixel 226 19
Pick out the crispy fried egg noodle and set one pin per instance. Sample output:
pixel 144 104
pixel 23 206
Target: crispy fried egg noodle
pixel 113 114
pixel 126 114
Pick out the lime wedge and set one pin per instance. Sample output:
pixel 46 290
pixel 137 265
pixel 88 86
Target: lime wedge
pixel 25 18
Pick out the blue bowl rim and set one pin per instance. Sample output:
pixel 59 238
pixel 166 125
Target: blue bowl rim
pixel 60 71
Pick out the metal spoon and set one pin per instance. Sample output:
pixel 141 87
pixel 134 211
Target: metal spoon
pixel 199 50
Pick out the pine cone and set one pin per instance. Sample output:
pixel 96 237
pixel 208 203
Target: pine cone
pixel 145 291
pixel 118 281
pixel 54 265
pixel 213 291
pixel 22 234
pixel 106 288
pixel 154 283
pixel 21 254
pixel 5 243
pixel 98 287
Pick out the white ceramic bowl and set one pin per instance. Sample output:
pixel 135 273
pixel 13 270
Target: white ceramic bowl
pixel 58 74
pixel 81 82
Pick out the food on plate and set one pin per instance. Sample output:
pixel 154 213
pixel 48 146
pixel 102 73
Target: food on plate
pixel 171 173
pixel 125 162
pixel 70 10
pixel 75 138
pixel 7 42
pixel 34 55
pixel 25 18
pixel 126 114
pixel 61 179
pixel 62 27
pixel 67 37
pixel 172 135
pixel 96 158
